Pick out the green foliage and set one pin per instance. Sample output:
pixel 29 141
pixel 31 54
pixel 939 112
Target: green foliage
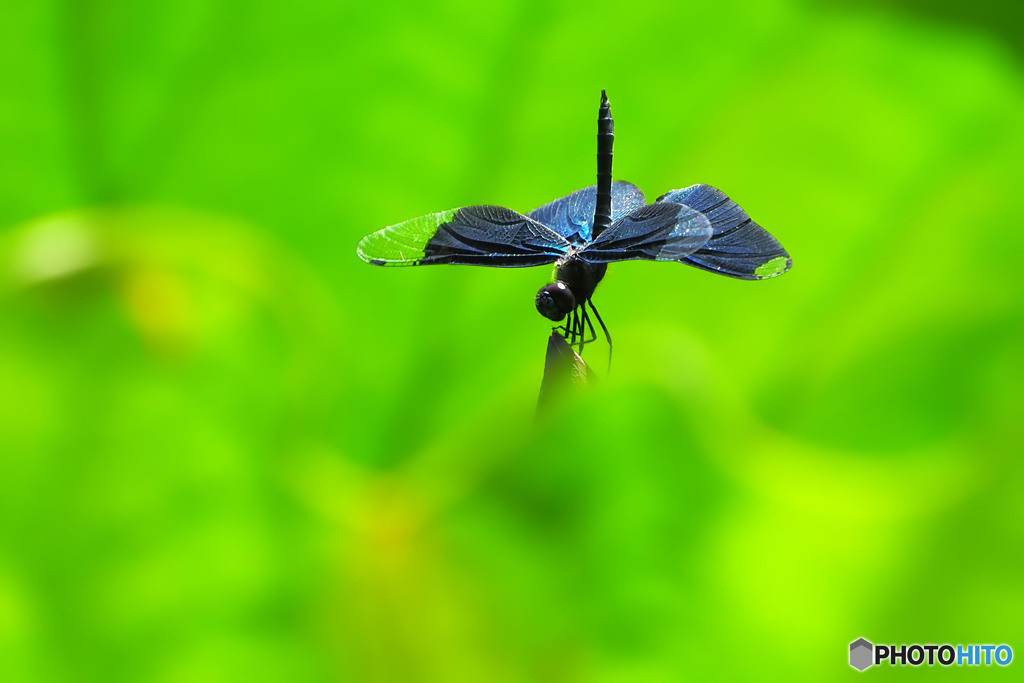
pixel 230 450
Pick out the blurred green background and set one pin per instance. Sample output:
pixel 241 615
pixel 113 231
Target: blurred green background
pixel 229 450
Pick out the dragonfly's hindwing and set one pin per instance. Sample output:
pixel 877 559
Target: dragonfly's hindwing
pixel 738 247
pixel 658 232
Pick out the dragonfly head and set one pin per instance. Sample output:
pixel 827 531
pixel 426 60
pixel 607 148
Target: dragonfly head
pixel 555 301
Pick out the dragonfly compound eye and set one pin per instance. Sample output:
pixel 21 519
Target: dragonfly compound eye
pixel 555 301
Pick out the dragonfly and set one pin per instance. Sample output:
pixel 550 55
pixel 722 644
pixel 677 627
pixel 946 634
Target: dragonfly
pixel 582 232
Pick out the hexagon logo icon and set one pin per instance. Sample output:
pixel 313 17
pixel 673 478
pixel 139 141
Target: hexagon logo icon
pixel 861 652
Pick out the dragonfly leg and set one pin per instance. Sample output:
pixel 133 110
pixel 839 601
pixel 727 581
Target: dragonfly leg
pixel 607 335
pixel 577 329
pixel 581 319
pixel 586 320
pixel 567 329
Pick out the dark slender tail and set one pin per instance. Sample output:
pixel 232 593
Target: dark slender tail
pixel 605 138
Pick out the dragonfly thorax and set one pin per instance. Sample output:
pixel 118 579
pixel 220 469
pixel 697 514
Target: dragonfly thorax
pixel 575 283
pixel 580 276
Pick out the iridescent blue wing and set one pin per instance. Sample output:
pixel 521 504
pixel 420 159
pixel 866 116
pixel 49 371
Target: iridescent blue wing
pixel 474 236
pixel 659 232
pixel 739 247
pixel 572 216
